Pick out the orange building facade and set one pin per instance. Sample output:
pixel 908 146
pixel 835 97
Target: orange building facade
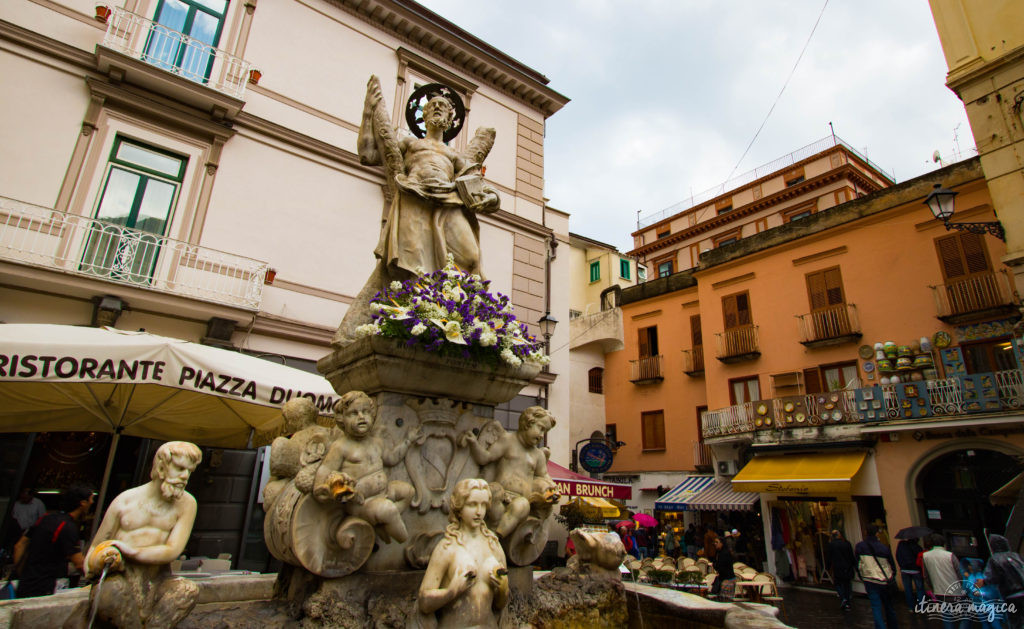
pixel 772 357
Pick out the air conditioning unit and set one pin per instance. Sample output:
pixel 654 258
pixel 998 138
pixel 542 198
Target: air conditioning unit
pixel 727 468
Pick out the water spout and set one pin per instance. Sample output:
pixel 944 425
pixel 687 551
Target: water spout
pixel 96 592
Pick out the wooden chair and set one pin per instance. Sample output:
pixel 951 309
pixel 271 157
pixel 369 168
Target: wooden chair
pixel 770 592
pixel 687 562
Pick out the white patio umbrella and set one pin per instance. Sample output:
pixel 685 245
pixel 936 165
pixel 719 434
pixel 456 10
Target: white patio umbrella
pixel 68 378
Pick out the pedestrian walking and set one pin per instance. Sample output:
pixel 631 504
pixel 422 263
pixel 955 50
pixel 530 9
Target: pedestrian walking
pixel 876 568
pixel 671 543
pixel 913 583
pixel 942 577
pixel 1005 570
pixel 841 564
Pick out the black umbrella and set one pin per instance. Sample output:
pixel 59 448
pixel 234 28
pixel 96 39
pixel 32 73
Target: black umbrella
pixel 913 532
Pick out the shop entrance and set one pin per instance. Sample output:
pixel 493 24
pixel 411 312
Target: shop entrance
pixel 953 495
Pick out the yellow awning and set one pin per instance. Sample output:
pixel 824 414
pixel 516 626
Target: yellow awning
pixel 801 474
pixel 605 508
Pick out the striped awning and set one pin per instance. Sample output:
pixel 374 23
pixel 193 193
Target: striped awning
pixel 676 499
pixel 720 496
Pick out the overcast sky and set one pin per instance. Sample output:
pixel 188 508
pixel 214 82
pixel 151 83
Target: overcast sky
pixel 667 94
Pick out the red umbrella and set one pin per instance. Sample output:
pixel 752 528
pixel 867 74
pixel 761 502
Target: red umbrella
pixel 625 524
pixel 645 520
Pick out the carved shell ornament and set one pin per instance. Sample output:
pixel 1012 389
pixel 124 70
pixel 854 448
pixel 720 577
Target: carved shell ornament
pixel 419 98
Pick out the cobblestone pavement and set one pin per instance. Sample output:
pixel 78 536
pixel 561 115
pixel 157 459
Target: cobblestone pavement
pixel 808 608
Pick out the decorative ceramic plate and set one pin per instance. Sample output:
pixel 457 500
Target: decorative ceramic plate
pixel 942 339
pixel 789 407
pixel 830 406
pixel 869 367
pixel 821 399
pixel 800 417
pixel 865 351
pixel 762 409
pixel 835 397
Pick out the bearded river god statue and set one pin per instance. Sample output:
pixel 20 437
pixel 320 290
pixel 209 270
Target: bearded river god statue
pixel 143 530
pixel 435 193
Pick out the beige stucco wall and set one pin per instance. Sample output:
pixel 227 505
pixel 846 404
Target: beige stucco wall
pixel 49 98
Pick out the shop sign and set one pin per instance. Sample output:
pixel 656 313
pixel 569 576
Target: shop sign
pixel 596 457
pixel 934 514
pixel 786 488
pixel 593 490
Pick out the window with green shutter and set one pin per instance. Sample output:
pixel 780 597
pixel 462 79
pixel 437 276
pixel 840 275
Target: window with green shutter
pixel 624 269
pixel 595 271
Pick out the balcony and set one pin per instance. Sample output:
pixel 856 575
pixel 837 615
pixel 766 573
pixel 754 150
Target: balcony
pixel 976 298
pixel 830 326
pixel 68 243
pixel 955 396
pixel 738 344
pixel 693 361
pixel 646 370
pixel 187 68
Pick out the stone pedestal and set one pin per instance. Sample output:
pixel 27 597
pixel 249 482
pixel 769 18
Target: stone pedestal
pixel 376 364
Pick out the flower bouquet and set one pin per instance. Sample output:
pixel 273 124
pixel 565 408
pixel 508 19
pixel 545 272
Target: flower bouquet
pixel 451 313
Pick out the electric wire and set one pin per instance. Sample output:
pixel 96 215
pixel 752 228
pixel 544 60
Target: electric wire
pixel 777 98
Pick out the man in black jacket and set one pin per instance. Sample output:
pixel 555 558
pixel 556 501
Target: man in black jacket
pixel 913 581
pixel 723 566
pixel 1005 570
pixel 51 543
pixel 876 569
pixel 840 562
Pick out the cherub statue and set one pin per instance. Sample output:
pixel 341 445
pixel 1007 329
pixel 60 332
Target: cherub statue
pixel 352 471
pixel 296 457
pixel 435 194
pixel 521 480
pixel 143 530
pixel 466 582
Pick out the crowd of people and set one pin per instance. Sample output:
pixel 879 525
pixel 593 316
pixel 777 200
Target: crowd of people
pixel 935 581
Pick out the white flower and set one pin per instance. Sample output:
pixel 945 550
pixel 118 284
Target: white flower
pixel 395 285
pixel 396 313
pixel 488 338
pixel 538 357
pixel 418 329
pixel 368 329
pixel 510 358
pixel 452 331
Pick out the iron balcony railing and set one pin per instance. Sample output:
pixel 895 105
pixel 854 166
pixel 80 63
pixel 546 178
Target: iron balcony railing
pixel 973 294
pixel 645 369
pixel 693 359
pixel 737 342
pixel 42 237
pixel 829 323
pixel 158 45
pixel 741 180
pixel 957 395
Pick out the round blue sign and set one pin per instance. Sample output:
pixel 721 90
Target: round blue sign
pixel 596 457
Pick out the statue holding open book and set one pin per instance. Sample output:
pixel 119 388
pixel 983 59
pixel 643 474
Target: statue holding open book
pixel 435 194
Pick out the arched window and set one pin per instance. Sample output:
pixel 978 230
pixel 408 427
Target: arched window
pixel 596 377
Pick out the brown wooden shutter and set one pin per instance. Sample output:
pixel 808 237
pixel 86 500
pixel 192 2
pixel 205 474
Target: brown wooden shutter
pixel 729 314
pixel 816 290
pixel 696 337
pixel 644 342
pixel 975 258
pixel 833 287
pixel 961 255
pixel 653 426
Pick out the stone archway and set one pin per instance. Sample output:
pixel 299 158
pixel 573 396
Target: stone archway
pixel 951 490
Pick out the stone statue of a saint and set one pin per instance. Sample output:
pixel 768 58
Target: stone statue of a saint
pixel 143 530
pixel 466 582
pixel 435 195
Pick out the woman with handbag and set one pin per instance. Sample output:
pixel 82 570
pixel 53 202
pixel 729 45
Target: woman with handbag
pixel 876 569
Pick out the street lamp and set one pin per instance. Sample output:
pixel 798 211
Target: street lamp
pixel 547 325
pixel 941 202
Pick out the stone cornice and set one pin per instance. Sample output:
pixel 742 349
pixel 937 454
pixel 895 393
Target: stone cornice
pixel 50 47
pixel 432 34
pixel 305 142
pixel 958 80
